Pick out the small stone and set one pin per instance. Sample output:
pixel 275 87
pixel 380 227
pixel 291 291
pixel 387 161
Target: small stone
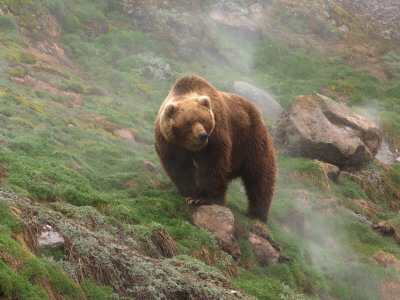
pixel 71 125
pixel 49 238
pixel 125 134
pixel 382 223
pixel 344 28
pixel 362 219
pixel 263 251
pixel 150 167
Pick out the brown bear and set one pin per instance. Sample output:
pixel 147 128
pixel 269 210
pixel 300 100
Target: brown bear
pixel 205 138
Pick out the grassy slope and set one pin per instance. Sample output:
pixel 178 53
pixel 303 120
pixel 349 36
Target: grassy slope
pixel 121 87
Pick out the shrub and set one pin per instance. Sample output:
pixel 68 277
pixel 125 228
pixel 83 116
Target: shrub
pixel 8 23
pixel 27 58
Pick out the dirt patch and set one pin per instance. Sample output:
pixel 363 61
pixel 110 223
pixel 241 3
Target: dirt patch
pixel 386 260
pixel 368 209
pixel 41 86
pixel 2 174
pixel 390 290
pixel 131 184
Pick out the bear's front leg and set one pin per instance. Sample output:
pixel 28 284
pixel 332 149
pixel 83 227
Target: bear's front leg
pixel 211 177
pixel 179 166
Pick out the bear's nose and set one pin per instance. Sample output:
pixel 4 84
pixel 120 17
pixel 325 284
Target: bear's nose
pixel 203 137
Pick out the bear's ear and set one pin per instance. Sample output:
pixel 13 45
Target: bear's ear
pixel 169 110
pixel 205 101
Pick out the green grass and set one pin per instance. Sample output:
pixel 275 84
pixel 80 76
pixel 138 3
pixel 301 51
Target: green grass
pixel 17 287
pixel 295 72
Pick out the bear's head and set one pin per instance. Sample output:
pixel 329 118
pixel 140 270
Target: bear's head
pixel 187 121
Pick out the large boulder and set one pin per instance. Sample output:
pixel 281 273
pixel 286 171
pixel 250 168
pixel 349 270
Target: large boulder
pixel 268 105
pixel 317 127
pixel 238 23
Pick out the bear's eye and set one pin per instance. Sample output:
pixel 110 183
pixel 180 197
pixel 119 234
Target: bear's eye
pixel 188 124
pixel 203 122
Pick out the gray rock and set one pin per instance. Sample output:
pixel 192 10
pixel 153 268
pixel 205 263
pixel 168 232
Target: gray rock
pixel 263 251
pixel 49 238
pixel 219 221
pixel 268 105
pixel 362 219
pixel 344 28
pixel 239 23
pixel 317 127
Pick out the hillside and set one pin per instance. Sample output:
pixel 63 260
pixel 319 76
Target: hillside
pixel 81 82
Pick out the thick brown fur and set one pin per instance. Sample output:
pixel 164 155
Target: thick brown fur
pixel 238 145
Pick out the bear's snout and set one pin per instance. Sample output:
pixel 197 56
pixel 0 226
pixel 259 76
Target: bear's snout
pixel 203 137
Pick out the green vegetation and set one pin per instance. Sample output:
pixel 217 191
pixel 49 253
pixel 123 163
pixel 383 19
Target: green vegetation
pixel 7 23
pixel 61 147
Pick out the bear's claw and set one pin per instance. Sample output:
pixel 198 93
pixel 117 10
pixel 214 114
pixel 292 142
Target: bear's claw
pixel 192 201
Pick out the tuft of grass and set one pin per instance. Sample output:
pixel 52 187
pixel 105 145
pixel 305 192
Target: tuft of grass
pixel 14 286
pixel 95 292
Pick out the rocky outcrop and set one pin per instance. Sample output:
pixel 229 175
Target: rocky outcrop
pixel 132 262
pixel 220 222
pixel 238 23
pixel 268 105
pixel 317 127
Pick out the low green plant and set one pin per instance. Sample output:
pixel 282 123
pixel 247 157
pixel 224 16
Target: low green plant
pixel 8 23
